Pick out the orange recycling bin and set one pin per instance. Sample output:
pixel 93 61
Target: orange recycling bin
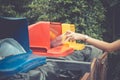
pixel 59 51
pixel 55 30
pixel 41 34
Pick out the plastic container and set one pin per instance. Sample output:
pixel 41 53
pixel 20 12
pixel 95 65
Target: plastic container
pixel 19 64
pixel 60 51
pixel 76 46
pixel 66 27
pixel 41 35
pixel 55 28
pixel 73 44
pixel 16 28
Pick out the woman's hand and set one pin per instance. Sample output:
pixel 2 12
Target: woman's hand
pixel 72 36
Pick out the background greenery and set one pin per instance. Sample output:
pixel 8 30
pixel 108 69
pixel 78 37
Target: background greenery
pixel 89 16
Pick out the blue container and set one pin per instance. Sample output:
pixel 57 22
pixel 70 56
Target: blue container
pixel 16 28
pixel 19 63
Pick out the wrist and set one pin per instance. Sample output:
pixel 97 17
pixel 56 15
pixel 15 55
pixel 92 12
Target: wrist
pixel 86 38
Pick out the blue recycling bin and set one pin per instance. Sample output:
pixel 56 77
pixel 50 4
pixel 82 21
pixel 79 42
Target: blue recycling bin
pixel 17 28
pixel 20 63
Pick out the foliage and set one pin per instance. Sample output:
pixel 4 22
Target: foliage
pixel 13 8
pixel 87 15
pixel 38 10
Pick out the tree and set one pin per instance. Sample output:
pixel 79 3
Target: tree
pixel 38 11
pixel 87 15
pixel 13 8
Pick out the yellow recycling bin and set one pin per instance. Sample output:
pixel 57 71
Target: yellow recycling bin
pixel 72 44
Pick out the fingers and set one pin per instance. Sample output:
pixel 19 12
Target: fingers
pixel 68 32
pixel 69 37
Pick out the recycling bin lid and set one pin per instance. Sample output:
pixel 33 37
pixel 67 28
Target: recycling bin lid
pixel 16 28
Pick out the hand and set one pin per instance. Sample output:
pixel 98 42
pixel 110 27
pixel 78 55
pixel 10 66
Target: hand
pixel 72 36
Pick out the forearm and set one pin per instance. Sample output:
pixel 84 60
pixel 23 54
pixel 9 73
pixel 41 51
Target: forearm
pixel 98 43
pixel 95 42
pixel 104 45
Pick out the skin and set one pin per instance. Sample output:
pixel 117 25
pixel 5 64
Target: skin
pixel 106 46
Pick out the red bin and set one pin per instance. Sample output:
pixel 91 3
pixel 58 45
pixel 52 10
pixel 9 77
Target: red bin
pixel 41 34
